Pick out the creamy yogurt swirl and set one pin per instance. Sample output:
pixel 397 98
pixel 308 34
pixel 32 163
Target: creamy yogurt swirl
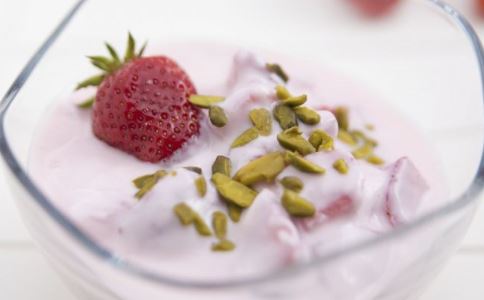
pixel 97 194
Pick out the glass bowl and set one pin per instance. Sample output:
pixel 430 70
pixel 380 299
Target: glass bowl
pixel 425 60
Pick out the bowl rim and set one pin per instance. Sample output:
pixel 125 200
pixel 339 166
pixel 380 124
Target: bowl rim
pixel 465 199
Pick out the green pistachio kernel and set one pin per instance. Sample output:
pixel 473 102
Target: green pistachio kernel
pixel 222 165
pixel 296 205
pixel 201 227
pixel 321 140
pixel 363 151
pixel 235 212
pixel 341 114
pixel 262 169
pixel 217 116
pixel 341 166
pixel 285 116
pixel 307 115
pixel 294 101
pixel 193 169
pixel 142 180
pixel 292 139
pixel 278 70
pixel 347 138
pixel 223 246
pixel 303 164
pixel 292 183
pixel 262 120
pixel 205 101
pixel 282 92
pixel 360 135
pixel 184 213
pixel 147 182
pixel 375 160
pixel 219 224
pixel 245 137
pixel 233 191
pixel 201 186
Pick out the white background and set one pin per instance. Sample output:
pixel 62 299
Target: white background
pixel 24 274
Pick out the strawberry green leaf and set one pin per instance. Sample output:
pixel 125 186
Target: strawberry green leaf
pixel 130 48
pixel 113 54
pixel 142 50
pixel 91 81
pixel 102 63
pixel 87 103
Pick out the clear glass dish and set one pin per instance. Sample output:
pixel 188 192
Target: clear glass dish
pixel 426 61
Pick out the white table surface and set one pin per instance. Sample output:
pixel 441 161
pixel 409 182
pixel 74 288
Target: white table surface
pixel 25 275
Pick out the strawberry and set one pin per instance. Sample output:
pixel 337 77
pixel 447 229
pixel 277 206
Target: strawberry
pixel 374 8
pixel 479 6
pixel 141 105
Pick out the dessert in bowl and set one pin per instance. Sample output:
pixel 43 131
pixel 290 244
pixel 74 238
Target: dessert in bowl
pixel 220 169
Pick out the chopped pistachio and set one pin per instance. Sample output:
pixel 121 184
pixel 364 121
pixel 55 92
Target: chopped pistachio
pixel 370 127
pixel 341 114
pixel 245 137
pixel 235 212
pixel 147 182
pixel 262 120
pixel 341 166
pixel 201 186
pixel 285 116
pixel 307 115
pixel 296 205
pixel 292 139
pixel 193 169
pixel 201 227
pixel 294 101
pixel 347 138
pixel 282 92
pixel 223 246
pixel 233 191
pixel 363 151
pixel 292 183
pixel 321 140
pixel 205 101
pixel 277 69
pixel 262 169
pixel 219 224
pixel 141 181
pixel 358 134
pixel 303 164
pixel 184 213
pixel 222 165
pixel 375 160
pixel 217 116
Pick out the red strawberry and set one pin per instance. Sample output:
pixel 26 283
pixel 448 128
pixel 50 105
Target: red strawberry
pixel 374 8
pixel 479 5
pixel 141 105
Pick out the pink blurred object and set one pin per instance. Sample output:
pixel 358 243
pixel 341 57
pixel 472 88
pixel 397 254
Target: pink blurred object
pixel 479 7
pixel 376 8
